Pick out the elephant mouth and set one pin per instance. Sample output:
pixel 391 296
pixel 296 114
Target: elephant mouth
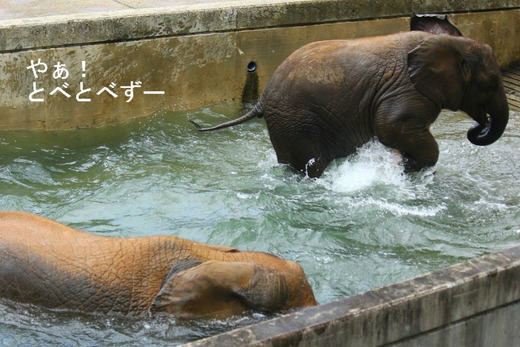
pixel 481 129
pixel 481 117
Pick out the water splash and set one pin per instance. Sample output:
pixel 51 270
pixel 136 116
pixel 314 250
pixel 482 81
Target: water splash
pixel 374 164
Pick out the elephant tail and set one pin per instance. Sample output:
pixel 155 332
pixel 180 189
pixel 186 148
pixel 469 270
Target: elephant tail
pixel 257 111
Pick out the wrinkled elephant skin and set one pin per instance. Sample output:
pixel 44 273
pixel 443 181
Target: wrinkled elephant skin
pixel 47 263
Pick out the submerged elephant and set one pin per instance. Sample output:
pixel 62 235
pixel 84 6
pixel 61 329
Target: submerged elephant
pixel 47 263
pixel 329 98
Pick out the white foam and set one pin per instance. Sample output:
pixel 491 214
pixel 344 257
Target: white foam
pixel 399 209
pixel 373 164
pixel 374 177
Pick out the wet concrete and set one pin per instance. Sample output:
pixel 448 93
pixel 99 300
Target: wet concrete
pixel 511 76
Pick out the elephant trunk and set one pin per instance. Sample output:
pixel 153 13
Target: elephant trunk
pixel 492 125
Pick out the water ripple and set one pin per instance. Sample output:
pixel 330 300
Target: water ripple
pixel 363 225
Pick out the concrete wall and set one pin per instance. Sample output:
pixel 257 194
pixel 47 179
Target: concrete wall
pixel 197 54
pixel 476 303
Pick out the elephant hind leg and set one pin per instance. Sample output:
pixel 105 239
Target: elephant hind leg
pixel 305 157
pixel 313 168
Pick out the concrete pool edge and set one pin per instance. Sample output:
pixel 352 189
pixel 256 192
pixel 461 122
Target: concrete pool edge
pixel 474 303
pixel 210 17
pixel 187 57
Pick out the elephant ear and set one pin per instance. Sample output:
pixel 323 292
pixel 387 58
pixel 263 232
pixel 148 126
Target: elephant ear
pixel 225 249
pixel 433 23
pixel 440 70
pixel 216 289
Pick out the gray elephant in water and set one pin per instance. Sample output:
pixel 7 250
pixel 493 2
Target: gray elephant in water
pixel 330 97
pixel 47 263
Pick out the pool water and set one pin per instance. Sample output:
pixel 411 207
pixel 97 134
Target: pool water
pixel 363 225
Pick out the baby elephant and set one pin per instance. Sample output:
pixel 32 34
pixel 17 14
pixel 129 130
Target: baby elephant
pixel 47 263
pixel 331 97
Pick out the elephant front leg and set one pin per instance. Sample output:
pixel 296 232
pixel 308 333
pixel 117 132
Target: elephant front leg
pixel 413 165
pixel 418 148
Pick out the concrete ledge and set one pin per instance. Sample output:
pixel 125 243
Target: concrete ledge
pixel 135 24
pixel 197 54
pixel 476 303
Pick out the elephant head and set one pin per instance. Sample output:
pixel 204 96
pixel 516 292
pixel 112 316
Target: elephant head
pixel 218 289
pixel 459 73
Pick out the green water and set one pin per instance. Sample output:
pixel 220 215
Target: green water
pixel 363 225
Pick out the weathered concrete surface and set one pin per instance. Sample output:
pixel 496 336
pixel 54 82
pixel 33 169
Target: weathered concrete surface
pixel 213 16
pixel 197 54
pixel 192 70
pixel 476 303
